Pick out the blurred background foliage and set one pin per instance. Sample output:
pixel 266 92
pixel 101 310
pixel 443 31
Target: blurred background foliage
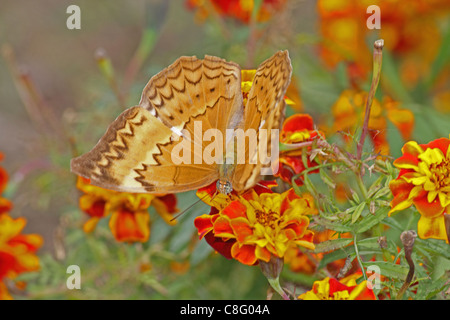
pixel 61 88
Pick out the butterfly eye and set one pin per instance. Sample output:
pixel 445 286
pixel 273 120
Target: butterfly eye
pixel 224 186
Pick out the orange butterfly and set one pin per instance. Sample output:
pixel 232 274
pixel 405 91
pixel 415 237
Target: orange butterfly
pixel 145 149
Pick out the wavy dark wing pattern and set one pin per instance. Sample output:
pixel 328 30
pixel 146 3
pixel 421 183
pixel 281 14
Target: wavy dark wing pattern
pixel 264 110
pixel 135 154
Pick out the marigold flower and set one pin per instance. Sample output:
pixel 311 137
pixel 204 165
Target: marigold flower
pixel 298 261
pixel 240 10
pixel 344 289
pixel 424 180
pixel 259 226
pixel 348 111
pixel 297 128
pixel 410 30
pixel 130 220
pixel 17 251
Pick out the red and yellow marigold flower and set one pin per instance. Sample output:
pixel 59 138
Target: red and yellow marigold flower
pixel 240 10
pixel 17 251
pixel 344 289
pixel 296 129
pixel 348 112
pixel 256 227
pixel 130 219
pixel 424 181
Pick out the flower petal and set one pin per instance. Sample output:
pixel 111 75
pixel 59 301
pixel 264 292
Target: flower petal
pixel 203 224
pixel 432 228
pixel 400 190
pixel 428 209
pixel 244 254
pixel 130 226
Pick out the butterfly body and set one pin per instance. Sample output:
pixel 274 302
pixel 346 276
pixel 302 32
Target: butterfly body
pixel 143 149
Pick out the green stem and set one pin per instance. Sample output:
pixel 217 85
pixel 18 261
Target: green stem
pixel 361 185
pixel 377 58
pixel 275 284
pixel 358 257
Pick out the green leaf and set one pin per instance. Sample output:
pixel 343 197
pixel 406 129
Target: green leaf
pixel 371 220
pixel 391 222
pixel 309 185
pixel 357 213
pixel 333 225
pixel 389 269
pixel 333 256
pixel 439 247
pixel 382 192
pixel 355 197
pixel 331 245
pixel 326 179
pixel 376 185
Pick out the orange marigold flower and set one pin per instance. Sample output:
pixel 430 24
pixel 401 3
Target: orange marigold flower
pixel 240 10
pixel 259 226
pixel 348 112
pixel 17 251
pixel 298 261
pixel 344 289
pixel 410 30
pixel 130 220
pixel 424 180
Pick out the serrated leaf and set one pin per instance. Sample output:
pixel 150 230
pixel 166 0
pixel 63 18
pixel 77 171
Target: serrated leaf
pixel 331 245
pixel 358 210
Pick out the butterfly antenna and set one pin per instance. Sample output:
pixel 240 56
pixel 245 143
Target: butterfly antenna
pixel 261 185
pixel 184 211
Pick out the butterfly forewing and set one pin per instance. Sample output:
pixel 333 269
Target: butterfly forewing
pixel 190 88
pixel 264 110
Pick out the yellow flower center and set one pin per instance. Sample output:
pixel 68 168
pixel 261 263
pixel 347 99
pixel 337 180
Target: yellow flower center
pixel 440 174
pixel 433 175
pixel 268 219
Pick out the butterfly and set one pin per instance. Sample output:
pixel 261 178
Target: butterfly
pixel 140 151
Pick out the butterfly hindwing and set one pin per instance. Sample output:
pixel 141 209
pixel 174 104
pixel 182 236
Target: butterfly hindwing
pixel 128 158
